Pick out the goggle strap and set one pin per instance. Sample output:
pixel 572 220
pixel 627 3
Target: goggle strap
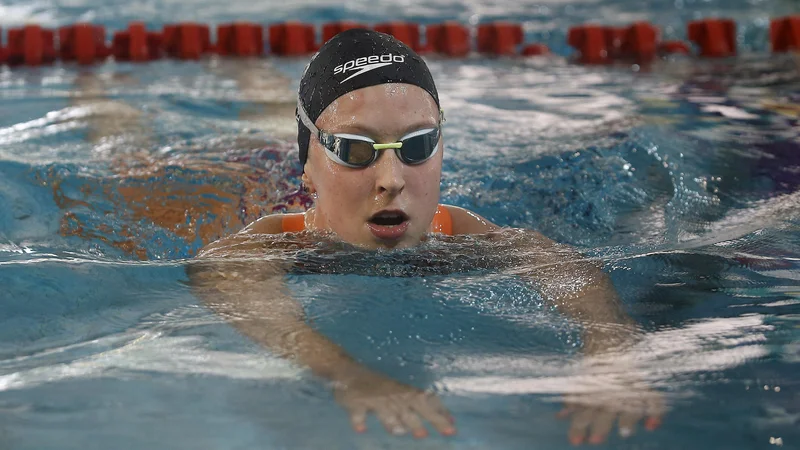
pixel 303 116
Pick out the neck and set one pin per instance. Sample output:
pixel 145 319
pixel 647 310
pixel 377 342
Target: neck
pixel 310 218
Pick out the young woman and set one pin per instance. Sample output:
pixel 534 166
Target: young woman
pixel 370 132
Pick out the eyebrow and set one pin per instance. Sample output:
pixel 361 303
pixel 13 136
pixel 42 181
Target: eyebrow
pixel 372 133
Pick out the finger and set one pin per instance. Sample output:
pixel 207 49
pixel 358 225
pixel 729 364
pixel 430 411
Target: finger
pixel 580 425
pixel 412 422
pixel 390 420
pixel 358 418
pixel 627 423
pixel 655 411
pixel 432 410
pixel 602 423
pixel 438 406
pixel 652 423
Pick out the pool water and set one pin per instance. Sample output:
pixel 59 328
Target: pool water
pixel 682 177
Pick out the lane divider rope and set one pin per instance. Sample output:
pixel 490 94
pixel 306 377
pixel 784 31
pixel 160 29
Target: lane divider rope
pixel 85 43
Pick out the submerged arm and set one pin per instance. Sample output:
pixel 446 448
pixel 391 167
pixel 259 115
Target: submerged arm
pixel 578 288
pixel 253 297
pixel 574 284
pixel 581 290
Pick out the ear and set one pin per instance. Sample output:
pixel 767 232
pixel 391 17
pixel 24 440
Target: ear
pixel 308 182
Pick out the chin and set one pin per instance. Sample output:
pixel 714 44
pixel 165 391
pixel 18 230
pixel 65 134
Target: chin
pixel 405 242
pixel 372 243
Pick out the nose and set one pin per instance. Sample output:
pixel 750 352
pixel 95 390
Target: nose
pixel 389 169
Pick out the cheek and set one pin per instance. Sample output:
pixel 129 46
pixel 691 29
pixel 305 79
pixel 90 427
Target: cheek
pixel 427 180
pixel 340 187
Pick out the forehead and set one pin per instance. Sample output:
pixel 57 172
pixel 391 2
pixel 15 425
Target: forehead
pixel 384 107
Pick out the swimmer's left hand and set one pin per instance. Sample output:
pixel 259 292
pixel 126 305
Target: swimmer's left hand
pixel 594 414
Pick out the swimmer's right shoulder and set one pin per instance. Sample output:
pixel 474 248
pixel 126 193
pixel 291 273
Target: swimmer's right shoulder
pixel 276 223
pixel 272 224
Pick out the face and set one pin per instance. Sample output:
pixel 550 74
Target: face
pixel 388 204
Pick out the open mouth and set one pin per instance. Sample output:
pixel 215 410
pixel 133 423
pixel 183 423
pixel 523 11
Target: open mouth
pixel 388 218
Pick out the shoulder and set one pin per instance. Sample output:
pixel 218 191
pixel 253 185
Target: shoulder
pixel 468 222
pixel 272 224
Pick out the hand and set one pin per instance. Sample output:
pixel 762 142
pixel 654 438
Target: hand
pixel 594 414
pixel 399 407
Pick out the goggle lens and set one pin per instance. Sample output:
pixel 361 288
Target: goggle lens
pixel 360 154
pixel 419 148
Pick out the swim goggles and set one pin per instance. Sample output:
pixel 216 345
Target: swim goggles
pixel 352 150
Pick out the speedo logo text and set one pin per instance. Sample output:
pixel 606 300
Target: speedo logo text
pixel 367 63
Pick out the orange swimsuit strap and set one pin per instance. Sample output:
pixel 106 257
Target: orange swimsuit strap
pixel 442 222
pixel 293 223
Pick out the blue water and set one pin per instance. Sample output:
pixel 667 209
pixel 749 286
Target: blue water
pixel 682 177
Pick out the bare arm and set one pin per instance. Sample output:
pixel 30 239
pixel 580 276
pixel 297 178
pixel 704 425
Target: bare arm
pixel 107 118
pixel 578 287
pixel 253 297
pixel 574 284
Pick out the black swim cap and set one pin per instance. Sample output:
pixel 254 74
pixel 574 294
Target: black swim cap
pixel 356 59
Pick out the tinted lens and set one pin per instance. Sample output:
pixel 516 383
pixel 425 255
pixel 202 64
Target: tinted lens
pixel 419 148
pixel 359 152
pixel 348 151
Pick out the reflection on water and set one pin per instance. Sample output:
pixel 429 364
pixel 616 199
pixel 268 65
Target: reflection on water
pixel 681 179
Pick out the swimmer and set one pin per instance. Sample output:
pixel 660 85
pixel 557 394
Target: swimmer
pixel 370 133
pixel 123 139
